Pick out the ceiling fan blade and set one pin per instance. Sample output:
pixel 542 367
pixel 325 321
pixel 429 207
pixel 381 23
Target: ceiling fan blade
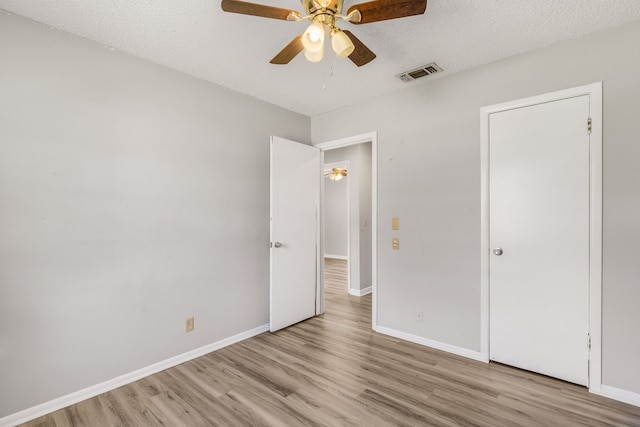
pixel 289 52
pixel 246 8
pixel 361 55
pixel 381 10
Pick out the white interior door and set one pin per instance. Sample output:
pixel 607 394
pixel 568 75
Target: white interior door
pixel 295 198
pixel 539 237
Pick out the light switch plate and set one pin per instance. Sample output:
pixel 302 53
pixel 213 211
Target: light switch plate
pixel 395 223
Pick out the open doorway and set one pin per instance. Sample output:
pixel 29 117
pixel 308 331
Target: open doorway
pixel 347 214
pixel 336 211
pixel 348 220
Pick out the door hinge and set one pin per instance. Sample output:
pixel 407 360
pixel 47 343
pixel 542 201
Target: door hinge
pixel 589 125
pixel 589 341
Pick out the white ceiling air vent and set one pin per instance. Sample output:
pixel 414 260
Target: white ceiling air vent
pixel 425 70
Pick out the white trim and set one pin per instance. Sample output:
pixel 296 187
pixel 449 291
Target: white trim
pixel 360 292
pixel 320 267
pixel 319 238
pixel 460 351
pixel 271 139
pixel 103 387
pixel 484 234
pixel 342 257
pixel 595 237
pixel 595 248
pixel 618 394
pixel 350 140
pixel 345 142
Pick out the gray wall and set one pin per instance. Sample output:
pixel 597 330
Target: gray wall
pixel 336 221
pixel 359 182
pixel 429 177
pixel 131 197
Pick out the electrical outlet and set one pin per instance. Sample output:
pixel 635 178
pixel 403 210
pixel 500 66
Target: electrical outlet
pixel 395 243
pixel 419 316
pixel 190 324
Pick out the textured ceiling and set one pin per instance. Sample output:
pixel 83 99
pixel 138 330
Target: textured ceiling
pixel 198 38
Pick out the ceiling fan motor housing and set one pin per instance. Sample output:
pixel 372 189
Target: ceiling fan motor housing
pixel 311 6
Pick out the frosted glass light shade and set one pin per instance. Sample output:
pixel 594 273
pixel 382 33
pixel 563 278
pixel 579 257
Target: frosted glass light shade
pixel 313 37
pixel 314 56
pixel 341 44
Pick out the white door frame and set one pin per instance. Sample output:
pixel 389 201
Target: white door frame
pixel 371 137
pixel 595 229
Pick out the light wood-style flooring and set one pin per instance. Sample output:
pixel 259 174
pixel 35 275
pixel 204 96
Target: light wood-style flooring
pixel 332 370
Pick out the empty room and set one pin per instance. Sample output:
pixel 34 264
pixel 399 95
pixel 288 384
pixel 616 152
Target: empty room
pixel 319 212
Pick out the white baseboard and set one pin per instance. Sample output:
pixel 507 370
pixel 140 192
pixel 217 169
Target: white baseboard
pixel 342 257
pixel 617 394
pixel 360 292
pixel 112 384
pixel 464 352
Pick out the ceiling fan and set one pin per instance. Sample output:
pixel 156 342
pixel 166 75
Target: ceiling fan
pixel 323 15
pixel 335 174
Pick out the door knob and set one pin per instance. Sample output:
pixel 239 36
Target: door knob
pixel 497 251
pixel 277 245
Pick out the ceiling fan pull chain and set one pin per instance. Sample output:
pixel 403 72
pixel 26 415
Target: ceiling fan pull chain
pixel 324 83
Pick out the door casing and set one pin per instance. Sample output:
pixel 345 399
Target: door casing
pixel 595 227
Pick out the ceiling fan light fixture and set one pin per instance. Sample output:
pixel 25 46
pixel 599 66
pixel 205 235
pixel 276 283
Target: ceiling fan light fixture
pixel 336 174
pixel 341 43
pixel 313 37
pixel 314 56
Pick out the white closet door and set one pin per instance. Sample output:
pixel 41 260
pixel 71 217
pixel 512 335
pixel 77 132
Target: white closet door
pixel 539 236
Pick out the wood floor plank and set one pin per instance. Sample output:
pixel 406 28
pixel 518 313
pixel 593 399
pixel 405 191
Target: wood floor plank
pixel 333 370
